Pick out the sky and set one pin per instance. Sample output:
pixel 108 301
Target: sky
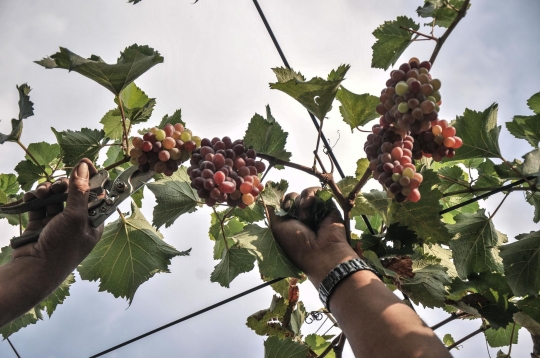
pixel 218 60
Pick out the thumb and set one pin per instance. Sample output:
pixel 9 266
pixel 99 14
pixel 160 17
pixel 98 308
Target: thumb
pixel 78 190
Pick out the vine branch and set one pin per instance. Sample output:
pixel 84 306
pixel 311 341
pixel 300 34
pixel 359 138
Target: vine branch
pixel 120 162
pixel 121 108
pixel 421 34
pixel 460 15
pixel 479 330
pixel 452 317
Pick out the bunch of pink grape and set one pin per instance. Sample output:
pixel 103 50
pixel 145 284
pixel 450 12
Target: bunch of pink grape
pixel 437 142
pixel 163 150
pixel 225 171
pixel 408 129
pixel 390 159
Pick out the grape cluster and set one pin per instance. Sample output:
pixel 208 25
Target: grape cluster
pixel 225 171
pixel 408 129
pixel 163 150
pixel 438 142
pixel 390 159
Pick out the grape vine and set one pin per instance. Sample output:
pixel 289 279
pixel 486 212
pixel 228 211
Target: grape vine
pixel 424 232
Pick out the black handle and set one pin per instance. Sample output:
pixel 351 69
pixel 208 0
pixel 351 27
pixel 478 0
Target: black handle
pixel 26 238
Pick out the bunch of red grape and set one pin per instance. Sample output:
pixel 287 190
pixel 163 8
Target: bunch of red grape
pixel 408 129
pixel 162 150
pixel 225 171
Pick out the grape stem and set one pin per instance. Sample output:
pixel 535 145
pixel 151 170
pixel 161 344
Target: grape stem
pixel 480 330
pixel 34 159
pixel 120 162
pixel 221 221
pixel 317 148
pixel 363 180
pixel 452 317
pixel 121 108
pixel 460 15
pixel 318 158
pixel 421 34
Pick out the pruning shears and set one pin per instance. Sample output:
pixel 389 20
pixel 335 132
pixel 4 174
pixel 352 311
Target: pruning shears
pixel 100 206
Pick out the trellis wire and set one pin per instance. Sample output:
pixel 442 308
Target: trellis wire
pixel 13 347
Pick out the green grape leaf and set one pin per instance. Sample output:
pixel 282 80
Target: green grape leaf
pixel 392 41
pixel 270 321
pixel 5 255
pixel 132 63
pixel 526 127
pixel 534 103
pixel 498 312
pixel 453 179
pixel 491 285
pixel 174 197
pixel 231 227
pixel 75 146
pixel 46 154
pixel 26 110
pixel 443 257
pixel 443 12
pixel 501 354
pixel 487 176
pixel 480 134
pixel 112 124
pixel 534 200
pixel 14 219
pixel 35 314
pixel 273 262
pixel 317 94
pixel 114 154
pixel 251 214
pixel 474 245
pixel 346 185
pixel 531 307
pixel 427 286
pixel 176 117
pixel 267 137
pixel 375 220
pixel 297 318
pixel 138 107
pixel 423 217
pixel 3 197
pixel 362 165
pixel 129 253
pixel 29 173
pixel 514 171
pixel 531 164
pixel 521 261
pixel 318 344
pixel 376 201
pixel 137 197
pixel 448 340
pixel 9 184
pixel 402 239
pixel 503 336
pixel 272 194
pixel 287 74
pixel 357 109
pixel 234 261
pixel 274 347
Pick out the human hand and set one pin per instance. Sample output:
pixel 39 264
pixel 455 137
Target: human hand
pixel 67 236
pixel 315 253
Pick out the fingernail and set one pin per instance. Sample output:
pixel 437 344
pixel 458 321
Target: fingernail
pixel 82 171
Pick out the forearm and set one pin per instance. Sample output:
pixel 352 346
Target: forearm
pixel 24 282
pixel 378 324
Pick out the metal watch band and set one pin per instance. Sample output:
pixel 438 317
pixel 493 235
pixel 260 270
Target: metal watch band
pixel 335 276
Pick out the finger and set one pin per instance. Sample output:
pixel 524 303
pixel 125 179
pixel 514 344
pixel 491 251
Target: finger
pixel 28 196
pixel 287 201
pixel 91 168
pixel 56 188
pixel 41 192
pixel 78 190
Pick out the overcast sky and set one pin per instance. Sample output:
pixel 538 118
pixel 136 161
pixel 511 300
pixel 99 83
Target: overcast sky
pixel 217 69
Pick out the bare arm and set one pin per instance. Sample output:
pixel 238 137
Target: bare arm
pixel 374 320
pixel 37 269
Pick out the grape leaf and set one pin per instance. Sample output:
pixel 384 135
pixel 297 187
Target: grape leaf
pixel 5 255
pixel 3 197
pixel 376 201
pixel 480 134
pixel 234 261
pixel 317 94
pixel 453 179
pixel 362 165
pixel 267 137
pixel 318 344
pixel 448 340
pixel 287 74
pixel 427 286
pixel 138 107
pixel 375 220
pixel 114 154
pixel 524 320
pixel 270 321
pixel 176 117
pixel 534 200
pixel 14 219
pixel 531 164
pixel 531 307
pixel 423 217
pixel 280 348
pixel 392 40
pixel 112 124
pixel 504 171
pixel 85 143
pixel 534 103
pixel 441 11
pixel 272 194
pixel 357 109
pixel 130 252
pixel 474 246
pixel 346 185
pixel 132 63
pixel 443 257
pixel 137 197
pixel 29 173
pixel 35 314
pixel 526 127
pixel 174 197
pixel 496 310
pixel 273 263
pixel 26 110
pixel 251 214
pixel 231 227
pixel 521 261
pixel 9 184
pixel 46 154
pixel 298 317
pixel 503 336
pixel 487 176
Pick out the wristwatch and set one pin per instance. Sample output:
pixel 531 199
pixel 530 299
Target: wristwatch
pixel 341 271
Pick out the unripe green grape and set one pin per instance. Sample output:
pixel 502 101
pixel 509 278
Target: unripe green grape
pixel 403 107
pixel 160 134
pixel 185 136
pixel 401 88
pixel 436 83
